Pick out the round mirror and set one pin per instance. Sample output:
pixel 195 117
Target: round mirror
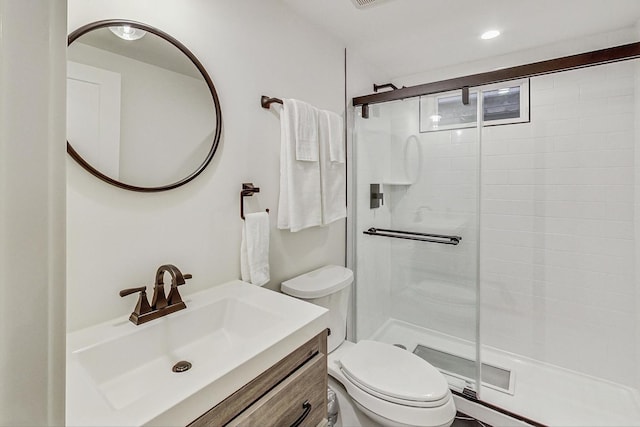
pixel 142 112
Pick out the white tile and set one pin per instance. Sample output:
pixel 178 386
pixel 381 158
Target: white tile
pixel 490 177
pixel 464 163
pixel 496 162
pixel 620 104
pixel 567 94
pixel 607 159
pixel 540 83
pixel 550 128
pixel 523 176
pixel 542 97
pixel 566 111
pixel 590 91
pixel 466 136
pixel 543 112
pixel 619 86
pixel 495 147
pixel 509 132
pixel 590 107
pixel 620 139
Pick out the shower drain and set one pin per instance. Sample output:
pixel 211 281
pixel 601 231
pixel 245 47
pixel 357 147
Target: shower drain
pixel 463 368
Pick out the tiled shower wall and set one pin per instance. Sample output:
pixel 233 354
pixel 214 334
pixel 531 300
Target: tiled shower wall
pixel 558 243
pixel 557 240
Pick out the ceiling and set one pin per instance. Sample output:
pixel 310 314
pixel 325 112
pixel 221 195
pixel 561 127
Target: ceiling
pixel 403 37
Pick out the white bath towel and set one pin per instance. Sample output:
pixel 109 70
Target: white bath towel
pixel 254 249
pixel 336 136
pixel 305 121
pixel 333 170
pixel 300 204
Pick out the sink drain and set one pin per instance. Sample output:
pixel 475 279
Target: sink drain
pixel 181 366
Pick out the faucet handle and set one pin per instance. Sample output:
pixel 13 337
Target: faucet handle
pixel 142 307
pixel 129 291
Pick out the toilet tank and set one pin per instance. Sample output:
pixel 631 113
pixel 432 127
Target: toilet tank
pixel 327 287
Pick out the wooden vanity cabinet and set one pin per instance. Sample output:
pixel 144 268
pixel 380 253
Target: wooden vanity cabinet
pixel 291 392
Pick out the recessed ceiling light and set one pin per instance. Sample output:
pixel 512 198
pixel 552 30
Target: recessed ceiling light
pixel 491 34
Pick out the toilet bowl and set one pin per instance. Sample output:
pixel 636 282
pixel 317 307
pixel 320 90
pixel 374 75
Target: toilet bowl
pixel 391 386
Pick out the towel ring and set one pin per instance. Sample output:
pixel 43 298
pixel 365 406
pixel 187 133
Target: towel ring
pixel 248 190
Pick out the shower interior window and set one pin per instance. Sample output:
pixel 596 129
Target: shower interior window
pixel 503 103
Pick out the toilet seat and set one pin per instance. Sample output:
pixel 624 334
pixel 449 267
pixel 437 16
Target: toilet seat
pixel 387 410
pixel 395 375
pixel 412 403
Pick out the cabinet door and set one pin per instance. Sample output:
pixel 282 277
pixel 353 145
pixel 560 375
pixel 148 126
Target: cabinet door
pixel 301 399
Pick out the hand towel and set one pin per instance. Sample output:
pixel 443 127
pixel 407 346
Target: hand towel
pixel 300 204
pixel 254 249
pixel 305 119
pixel 333 172
pixel 336 136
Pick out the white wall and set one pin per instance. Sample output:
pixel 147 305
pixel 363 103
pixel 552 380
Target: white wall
pixel 32 212
pixel 116 239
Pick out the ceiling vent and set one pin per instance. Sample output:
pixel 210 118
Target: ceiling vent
pixel 362 4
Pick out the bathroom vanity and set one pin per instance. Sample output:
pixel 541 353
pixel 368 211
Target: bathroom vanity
pixel 293 392
pixel 258 357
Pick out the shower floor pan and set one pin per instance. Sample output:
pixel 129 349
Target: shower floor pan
pixel 461 372
pixel 546 393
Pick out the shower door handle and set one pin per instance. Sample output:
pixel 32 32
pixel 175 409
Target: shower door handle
pixel 412 235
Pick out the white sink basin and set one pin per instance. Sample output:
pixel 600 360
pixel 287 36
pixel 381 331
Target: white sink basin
pixel 121 374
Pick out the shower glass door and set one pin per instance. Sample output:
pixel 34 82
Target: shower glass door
pixel 416 181
pixel 532 205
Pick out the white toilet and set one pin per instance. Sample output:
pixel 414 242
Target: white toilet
pixel 392 386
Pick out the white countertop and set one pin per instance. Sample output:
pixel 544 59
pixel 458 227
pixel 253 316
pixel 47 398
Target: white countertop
pixel 109 353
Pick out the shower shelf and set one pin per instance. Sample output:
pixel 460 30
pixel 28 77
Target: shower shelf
pixel 396 182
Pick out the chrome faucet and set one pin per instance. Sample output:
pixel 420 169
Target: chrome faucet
pixel 160 305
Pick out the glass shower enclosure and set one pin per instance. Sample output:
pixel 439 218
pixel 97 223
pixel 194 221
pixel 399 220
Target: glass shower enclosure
pixel 417 235
pixel 498 240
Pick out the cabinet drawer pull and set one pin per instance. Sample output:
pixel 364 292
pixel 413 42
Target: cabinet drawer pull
pixel 307 409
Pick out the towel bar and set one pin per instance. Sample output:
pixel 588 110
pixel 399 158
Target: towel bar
pixel 266 102
pixel 247 191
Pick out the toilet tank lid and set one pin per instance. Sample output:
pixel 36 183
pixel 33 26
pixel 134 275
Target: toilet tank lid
pixel 318 283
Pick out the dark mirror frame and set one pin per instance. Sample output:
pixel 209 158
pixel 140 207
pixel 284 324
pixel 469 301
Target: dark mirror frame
pixel 216 138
